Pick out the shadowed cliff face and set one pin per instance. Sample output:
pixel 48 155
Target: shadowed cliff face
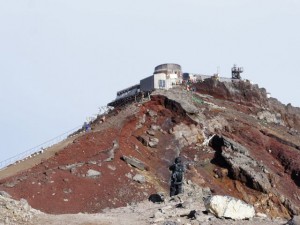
pixel 230 136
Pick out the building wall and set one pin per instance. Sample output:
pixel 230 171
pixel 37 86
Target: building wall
pixel 225 79
pixel 147 84
pixel 169 68
pixel 160 81
pixel 174 79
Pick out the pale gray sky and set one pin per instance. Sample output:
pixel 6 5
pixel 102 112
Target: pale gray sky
pixel 62 59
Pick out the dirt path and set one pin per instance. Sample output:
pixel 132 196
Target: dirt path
pixel 30 162
pixel 172 211
pixel 144 213
pixel 77 219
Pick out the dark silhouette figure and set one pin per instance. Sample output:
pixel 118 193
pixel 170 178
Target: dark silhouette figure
pixel 177 177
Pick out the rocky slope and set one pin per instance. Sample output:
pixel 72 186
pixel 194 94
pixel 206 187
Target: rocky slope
pixel 233 139
pixel 187 208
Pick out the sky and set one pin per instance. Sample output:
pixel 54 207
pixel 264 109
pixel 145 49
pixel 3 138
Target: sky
pixel 60 60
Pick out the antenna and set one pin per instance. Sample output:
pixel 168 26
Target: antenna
pixel 236 72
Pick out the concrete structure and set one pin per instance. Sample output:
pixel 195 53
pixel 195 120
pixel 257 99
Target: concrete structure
pixel 158 81
pixel 201 77
pixel 165 76
pixel 168 69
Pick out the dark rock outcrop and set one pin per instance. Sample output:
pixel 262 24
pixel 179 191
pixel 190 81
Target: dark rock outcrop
pixel 237 91
pixel 134 162
pixel 241 165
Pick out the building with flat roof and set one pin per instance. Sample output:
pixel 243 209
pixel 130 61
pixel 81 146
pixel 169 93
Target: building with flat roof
pixel 165 76
pixel 168 68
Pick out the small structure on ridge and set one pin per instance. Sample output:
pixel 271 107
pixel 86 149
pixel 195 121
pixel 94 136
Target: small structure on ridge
pixel 236 72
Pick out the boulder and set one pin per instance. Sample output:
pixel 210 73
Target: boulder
pixel 16 212
pixel 152 113
pixel 294 221
pixel 111 167
pixel 241 165
pixel 177 100
pixel 71 166
pixel 134 162
pixel 143 119
pixel 153 142
pixel 151 132
pixel 229 207
pixel 148 141
pixel 67 190
pixel 187 134
pixel 269 117
pixel 217 123
pixel 93 173
pixel 139 178
pixel 128 175
pixel 144 139
pixel 111 151
pixel 157 198
pixel 155 127
pixel 11 184
pixel 294 209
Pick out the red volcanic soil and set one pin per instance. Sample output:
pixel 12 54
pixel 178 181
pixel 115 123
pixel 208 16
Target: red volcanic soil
pixel 53 189
pixel 60 184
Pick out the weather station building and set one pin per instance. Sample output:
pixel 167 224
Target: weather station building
pixel 165 76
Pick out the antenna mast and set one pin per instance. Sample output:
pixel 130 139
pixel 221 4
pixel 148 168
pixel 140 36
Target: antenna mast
pixel 236 72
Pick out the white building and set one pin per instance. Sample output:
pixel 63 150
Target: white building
pixel 165 76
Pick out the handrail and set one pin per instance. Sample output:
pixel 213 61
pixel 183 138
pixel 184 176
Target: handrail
pixel 103 110
pixel 37 149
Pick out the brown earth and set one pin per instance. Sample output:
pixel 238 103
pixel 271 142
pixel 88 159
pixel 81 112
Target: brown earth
pixel 59 184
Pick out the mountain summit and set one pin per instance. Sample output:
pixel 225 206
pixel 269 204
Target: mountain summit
pixel 232 138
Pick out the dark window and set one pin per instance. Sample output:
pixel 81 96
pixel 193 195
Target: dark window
pixel 161 83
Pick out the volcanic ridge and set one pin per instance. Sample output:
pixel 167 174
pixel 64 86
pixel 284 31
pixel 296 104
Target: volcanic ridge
pixel 233 139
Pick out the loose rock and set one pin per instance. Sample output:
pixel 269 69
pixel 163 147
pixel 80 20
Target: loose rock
pixel 157 198
pixel 93 173
pixel 139 178
pixel 229 207
pixel 134 162
pixel 294 221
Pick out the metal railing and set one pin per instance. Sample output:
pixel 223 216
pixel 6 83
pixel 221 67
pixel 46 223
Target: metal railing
pixel 39 149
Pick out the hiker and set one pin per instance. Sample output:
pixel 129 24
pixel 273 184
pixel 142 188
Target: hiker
pixel 86 127
pixel 177 177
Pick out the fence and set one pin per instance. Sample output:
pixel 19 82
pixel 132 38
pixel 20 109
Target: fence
pixel 37 149
pixel 103 110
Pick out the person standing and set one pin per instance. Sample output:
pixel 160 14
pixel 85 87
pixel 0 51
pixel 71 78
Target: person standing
pixel 177 170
